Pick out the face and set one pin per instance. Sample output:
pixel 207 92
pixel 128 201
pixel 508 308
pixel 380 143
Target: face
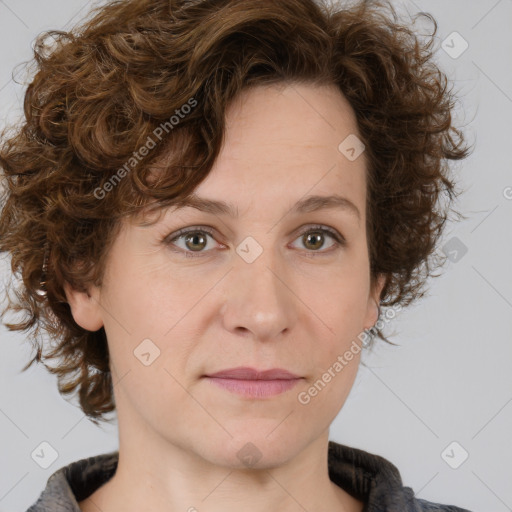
pixel 275 286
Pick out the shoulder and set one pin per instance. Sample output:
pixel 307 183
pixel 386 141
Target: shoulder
pixel 430 506
pixel 376 482
pixel 75 482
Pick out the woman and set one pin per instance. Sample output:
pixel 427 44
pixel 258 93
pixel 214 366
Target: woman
pixel 209 202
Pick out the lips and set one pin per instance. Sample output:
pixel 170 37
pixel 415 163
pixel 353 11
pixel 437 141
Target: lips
pixel 253 384
pixel 247 373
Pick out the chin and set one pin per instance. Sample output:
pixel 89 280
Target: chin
pixel 256 450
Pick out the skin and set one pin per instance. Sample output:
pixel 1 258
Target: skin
pixel 298 306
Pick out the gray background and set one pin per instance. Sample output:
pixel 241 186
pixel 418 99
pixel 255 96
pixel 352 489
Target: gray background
pixel 450 381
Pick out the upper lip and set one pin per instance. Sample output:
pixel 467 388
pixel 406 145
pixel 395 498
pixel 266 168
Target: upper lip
pixel 247 373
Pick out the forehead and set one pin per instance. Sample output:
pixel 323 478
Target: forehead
pixel 281 147
pixel 283 142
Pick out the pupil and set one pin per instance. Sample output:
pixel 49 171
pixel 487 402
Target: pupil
pixel 318 238
pixel 194 238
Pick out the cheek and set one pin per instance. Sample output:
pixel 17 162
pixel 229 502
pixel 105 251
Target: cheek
pixel 339 296
pixel 151 315
pixel 325 394
pixel 148 296
pixel 338 310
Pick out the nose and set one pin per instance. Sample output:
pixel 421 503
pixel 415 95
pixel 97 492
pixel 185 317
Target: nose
pixel 259 301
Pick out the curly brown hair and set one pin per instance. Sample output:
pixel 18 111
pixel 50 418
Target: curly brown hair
pixel 121 80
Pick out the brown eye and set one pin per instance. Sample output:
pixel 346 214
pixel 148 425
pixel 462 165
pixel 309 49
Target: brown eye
pixel 195 241
pixel 191 242
pixel 313 239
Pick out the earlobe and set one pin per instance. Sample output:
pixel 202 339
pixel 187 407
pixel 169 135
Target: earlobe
pixel 379 286
pixel 373 309
pixel 85 308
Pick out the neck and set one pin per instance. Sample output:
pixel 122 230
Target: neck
pixel 155 474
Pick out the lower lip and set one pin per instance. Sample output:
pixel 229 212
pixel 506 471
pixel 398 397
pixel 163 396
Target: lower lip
pixel 255 388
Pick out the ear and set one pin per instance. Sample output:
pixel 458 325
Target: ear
pixel 372 309
pixel 85 307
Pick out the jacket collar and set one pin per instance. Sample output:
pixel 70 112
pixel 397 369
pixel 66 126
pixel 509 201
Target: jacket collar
pixel 370 478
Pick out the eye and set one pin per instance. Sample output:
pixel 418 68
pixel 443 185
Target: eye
pixel 195 240
pixel 314 237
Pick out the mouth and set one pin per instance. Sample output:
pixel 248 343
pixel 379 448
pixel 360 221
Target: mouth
pixel 253 383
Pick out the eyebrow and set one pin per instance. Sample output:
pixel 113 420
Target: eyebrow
pixel 306 205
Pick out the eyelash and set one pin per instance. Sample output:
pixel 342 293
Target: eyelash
pixel 338 239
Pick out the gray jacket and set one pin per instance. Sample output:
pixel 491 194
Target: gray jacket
pixel 370 478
